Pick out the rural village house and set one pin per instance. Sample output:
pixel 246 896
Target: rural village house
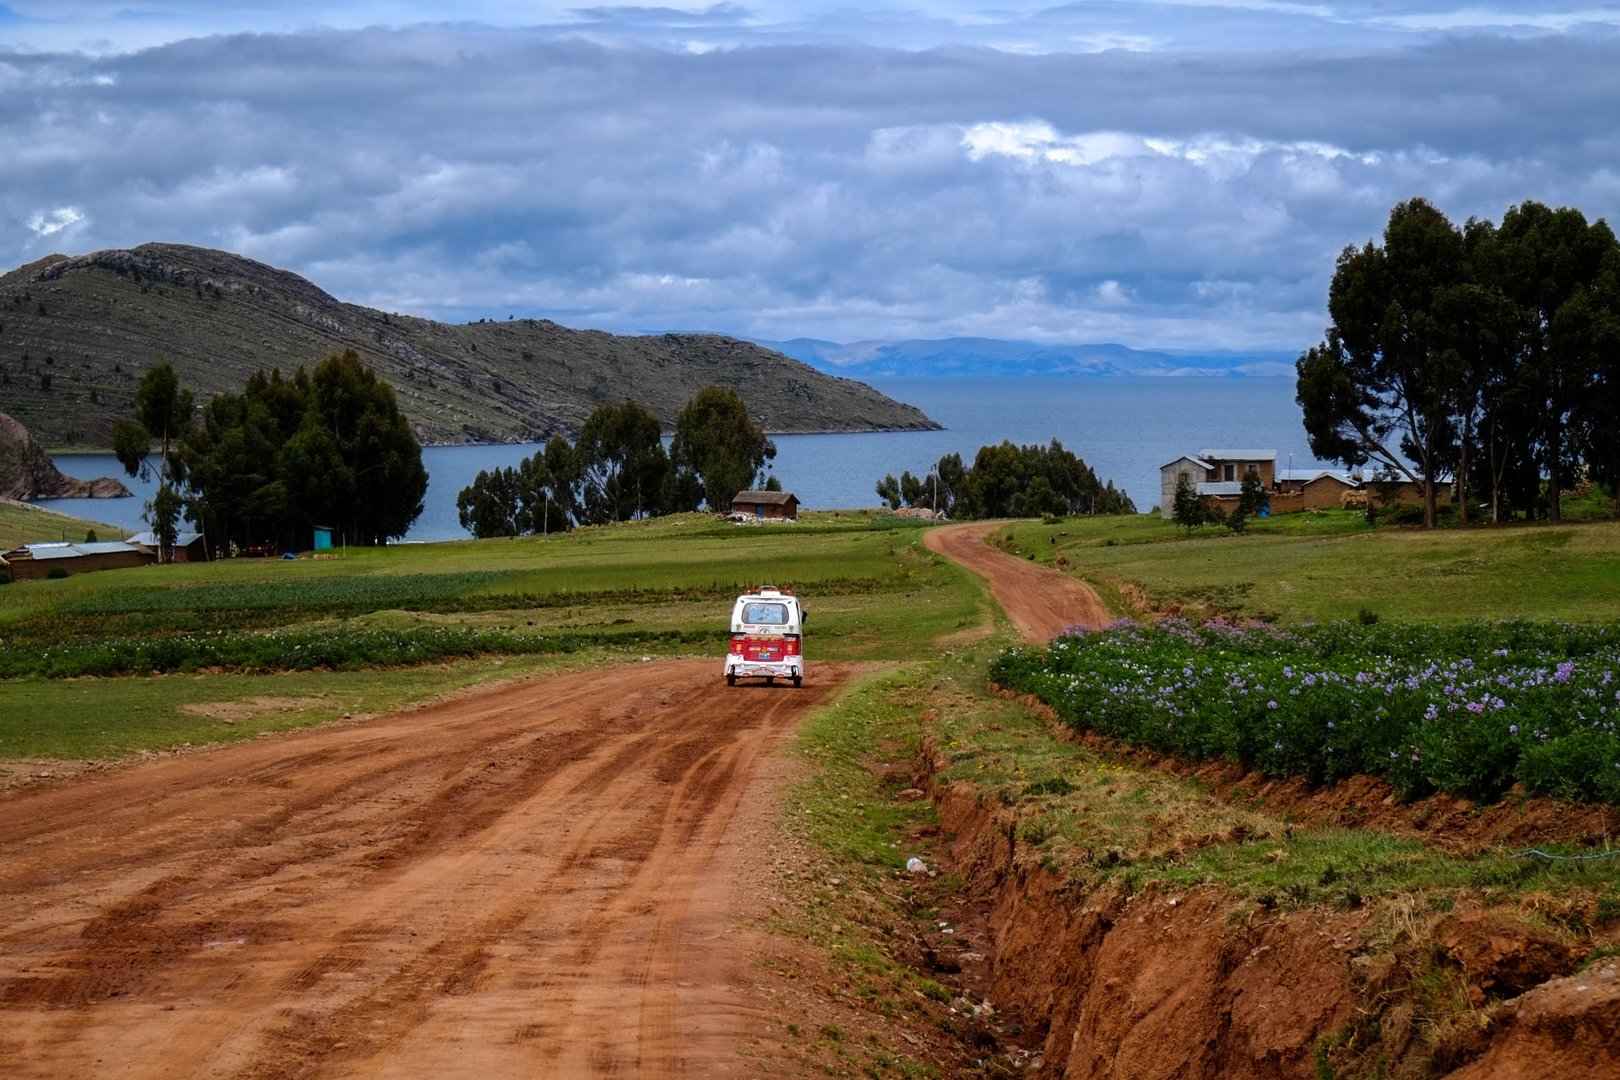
pixel 766 505
pixel 1217 475
pixel 188 546
pixel 32 562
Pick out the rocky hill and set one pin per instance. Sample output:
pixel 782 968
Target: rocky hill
pixel 27 472
pixel 77 333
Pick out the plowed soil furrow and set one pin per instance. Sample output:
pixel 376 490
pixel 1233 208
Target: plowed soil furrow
pixel 530 880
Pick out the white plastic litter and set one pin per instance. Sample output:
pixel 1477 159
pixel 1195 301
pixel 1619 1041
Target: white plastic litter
pixel 915 865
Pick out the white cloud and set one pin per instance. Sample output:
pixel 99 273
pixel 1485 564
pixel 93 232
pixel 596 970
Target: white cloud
pixel 50 222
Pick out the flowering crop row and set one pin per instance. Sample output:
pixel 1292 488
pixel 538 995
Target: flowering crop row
pixel 1465 709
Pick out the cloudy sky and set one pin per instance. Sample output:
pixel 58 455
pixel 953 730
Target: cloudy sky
pixel 1178 174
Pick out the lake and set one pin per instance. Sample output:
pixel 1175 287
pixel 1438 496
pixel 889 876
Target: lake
pixel 1124 428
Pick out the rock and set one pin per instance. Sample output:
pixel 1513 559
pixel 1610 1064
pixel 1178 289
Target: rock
pixel 27 472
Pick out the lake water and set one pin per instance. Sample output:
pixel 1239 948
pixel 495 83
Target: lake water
pixel 1124 428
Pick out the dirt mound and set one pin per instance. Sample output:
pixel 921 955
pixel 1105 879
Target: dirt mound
pixel 1564 1028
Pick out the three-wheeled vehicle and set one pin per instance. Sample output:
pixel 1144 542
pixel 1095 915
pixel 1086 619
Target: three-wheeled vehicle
pixel 767 635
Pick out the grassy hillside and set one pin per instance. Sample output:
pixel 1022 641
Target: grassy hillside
pixel 21 523
pixel 77 333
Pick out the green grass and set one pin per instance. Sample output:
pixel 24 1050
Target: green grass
pixel 97 719
pixel 23 523
pixel 1303 567
pixel 662 587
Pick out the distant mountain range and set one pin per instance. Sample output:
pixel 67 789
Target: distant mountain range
pixel 989 357
pixel 77 333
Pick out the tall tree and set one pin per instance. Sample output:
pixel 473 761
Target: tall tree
pixel 382 480
pixel 163 411
pixel 1558 269
pixel 328 448
pixel 622 464
pixel 1382 385
pixel 717 442
pixel 493 505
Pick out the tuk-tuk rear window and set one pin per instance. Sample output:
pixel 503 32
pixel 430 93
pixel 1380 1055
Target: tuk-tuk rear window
pixel 768 613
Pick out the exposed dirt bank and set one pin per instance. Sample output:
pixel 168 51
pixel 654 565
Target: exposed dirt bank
pixel 1196 983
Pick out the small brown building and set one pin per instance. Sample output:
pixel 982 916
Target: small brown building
pixel 766 505
pixel 1311 489
pixel 31 562
pixel 188 546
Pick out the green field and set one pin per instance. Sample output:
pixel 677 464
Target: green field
pixel 23 523
pixel 318 629
pixel 1318 567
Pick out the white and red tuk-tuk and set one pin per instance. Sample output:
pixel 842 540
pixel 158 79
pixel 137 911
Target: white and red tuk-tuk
pixel 767 634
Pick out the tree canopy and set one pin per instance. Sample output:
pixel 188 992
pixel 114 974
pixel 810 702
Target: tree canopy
pixel 1008 481
pixel 718 445
pixel 618 469
pixel 328 447
pixel 163 411
pixel 1483 354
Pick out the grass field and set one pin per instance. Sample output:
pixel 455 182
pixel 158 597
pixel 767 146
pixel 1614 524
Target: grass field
pixel 23 523
pixel 1308 567
pixel 661 587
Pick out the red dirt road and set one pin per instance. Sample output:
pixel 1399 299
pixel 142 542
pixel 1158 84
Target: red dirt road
pixel 1041 602
pixel 531 880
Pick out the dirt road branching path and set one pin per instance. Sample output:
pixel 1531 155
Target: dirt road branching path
pixel 1041 602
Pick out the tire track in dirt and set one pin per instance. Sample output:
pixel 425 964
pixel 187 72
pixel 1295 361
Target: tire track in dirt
pixel 527 880
pixel 1041 602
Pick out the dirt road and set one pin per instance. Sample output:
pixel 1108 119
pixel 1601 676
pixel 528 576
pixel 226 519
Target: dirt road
pixel 531 880
pixel 534 879
pixel 1040 601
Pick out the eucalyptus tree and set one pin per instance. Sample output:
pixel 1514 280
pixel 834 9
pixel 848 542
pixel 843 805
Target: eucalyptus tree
pixel 1561 272
pixel 378 480
pixel 621 463
pixel 1382 386
pixel 163 411
pixel 718 445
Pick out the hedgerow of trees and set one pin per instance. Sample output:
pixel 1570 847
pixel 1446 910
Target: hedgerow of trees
pixel 618 470
pixel 1486 353
pixel 260 469
pixel 1008 481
